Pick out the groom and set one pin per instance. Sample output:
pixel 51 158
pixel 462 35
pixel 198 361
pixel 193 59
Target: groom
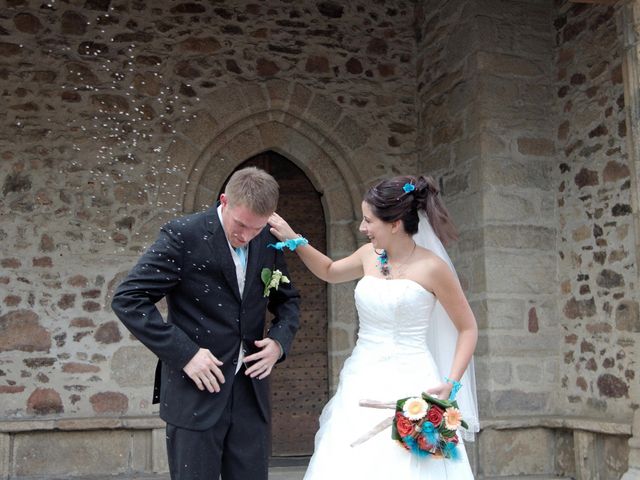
pixel 214 355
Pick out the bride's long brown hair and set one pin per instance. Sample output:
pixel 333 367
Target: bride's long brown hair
pixel 390 202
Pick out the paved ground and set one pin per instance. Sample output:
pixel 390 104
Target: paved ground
pixel 281 469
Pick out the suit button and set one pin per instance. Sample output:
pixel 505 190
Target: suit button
pixel 235 362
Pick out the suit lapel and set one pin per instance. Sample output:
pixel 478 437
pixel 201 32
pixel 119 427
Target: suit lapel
pixel 220 247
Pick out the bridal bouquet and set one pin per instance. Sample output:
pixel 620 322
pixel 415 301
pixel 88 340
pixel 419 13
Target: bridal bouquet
pixel 423 425
pixel 427 425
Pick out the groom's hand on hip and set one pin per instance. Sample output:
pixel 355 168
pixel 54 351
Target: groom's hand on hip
pixel 264 359
pixel 204 370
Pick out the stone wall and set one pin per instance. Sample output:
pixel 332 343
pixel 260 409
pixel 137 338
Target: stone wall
pixel 120 114
pixel 525 127
pixel 596 241
pixel 106 102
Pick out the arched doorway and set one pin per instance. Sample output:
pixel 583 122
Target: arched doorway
pixel 299 386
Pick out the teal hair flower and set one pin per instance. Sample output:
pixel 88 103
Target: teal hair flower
pixel 408 187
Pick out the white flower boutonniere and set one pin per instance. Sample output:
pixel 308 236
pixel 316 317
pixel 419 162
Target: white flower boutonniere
pixel 272 279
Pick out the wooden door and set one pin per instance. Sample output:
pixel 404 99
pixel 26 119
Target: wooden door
pixel 299 386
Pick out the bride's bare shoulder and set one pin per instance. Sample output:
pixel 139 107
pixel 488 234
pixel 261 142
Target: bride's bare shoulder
pixel 425 255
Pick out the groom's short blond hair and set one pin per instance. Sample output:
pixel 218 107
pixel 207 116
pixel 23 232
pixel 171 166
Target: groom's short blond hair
pixel 253 188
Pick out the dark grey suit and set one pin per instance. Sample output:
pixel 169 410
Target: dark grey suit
pixel 191 266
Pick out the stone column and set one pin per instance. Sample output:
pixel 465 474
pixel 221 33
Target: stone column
pixel 5 455
pixel 159 461
pixel 633 473
pixel 629 28
pixel 584 444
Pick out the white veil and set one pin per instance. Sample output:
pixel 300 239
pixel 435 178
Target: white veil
pixel 442 336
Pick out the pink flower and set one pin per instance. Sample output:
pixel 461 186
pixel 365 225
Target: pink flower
pixel 452 418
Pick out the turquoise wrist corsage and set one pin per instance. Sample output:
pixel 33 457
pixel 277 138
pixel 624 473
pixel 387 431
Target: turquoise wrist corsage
pixel 456 387
pixel 291 243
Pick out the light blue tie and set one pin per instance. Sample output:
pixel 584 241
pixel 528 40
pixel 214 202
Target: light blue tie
pixel 242 256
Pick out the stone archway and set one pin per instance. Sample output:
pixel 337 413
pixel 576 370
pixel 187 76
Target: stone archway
pixel 313 132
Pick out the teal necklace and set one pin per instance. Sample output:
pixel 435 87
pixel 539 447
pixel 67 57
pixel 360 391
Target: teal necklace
pixel 383 263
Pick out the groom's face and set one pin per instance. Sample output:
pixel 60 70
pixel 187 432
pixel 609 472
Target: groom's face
pixel 241 224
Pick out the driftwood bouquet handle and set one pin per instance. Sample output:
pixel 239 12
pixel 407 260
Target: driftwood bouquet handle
pixel 386 423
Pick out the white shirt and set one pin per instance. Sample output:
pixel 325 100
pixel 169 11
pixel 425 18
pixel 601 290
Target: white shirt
pixel 240 275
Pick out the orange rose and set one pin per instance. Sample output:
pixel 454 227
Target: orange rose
pixel 423 444
pixel 435 415
pixel 404 425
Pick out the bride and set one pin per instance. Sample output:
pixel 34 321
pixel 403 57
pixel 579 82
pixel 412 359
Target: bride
pixel 417 333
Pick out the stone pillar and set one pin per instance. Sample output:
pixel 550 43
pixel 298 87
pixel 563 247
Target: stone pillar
pixel 633 473
pixel 629 28
pixel 159 462
pixel 5 455
pixel 484 132
pixel 584 445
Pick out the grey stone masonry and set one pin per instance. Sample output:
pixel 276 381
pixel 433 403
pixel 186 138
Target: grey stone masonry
pixel 120 114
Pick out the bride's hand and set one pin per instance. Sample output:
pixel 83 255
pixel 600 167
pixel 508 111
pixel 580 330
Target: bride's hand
pixel 280 228
pixel 442 390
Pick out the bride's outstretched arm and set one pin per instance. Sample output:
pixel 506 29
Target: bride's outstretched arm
pixel 343 270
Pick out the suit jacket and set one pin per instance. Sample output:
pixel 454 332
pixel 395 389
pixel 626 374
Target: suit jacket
pixel 191 266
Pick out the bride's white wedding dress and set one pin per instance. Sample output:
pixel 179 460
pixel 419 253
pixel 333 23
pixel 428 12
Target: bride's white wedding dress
pixel 391 360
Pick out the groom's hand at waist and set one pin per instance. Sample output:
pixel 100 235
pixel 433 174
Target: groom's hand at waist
pixel 204 370
pixel 269 353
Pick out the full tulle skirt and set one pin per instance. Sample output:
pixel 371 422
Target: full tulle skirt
pixel 374 374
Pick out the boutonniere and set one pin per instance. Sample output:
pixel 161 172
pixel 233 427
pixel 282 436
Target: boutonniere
pixel 272 279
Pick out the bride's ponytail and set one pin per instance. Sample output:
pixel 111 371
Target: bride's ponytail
pixel 428 199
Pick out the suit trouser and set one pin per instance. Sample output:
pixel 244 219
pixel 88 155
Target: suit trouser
pixel 236 447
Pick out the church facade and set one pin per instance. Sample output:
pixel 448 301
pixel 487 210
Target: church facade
pixel 121 114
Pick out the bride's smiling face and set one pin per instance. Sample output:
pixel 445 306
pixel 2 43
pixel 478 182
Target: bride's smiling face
pixel 379 232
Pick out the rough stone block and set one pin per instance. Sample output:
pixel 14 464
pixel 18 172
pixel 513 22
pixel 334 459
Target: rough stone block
pixel 5 456
pixel 505 313
pixel 529 373
pixel 182 155
pixel 565 457
pixel 299 99
pixel 323 112
pixel 499 372
pixel 509 207
pixel 339 203
pixel 517 452
pixel 226 104
pixel 133 366
pixel 542 344
pixel 49 455
pixel 519 273
pixel 614 460
pixel 200 130
pixel 507 65
pixel 516 401
pixel 159 461
pixel 351 133
pixel 512 172
pixel 586 454
pixel 141 451
pixel 244 145
pixel 520 236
